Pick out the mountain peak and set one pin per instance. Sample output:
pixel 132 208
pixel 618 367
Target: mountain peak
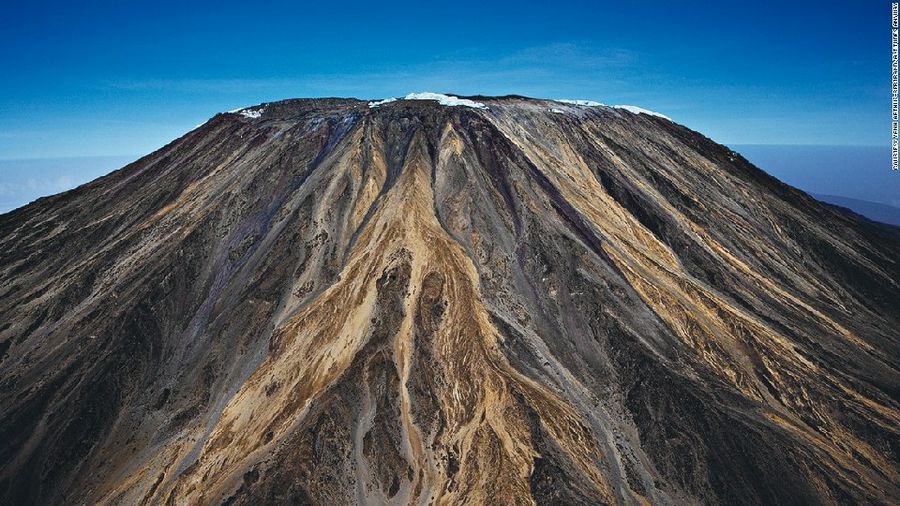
pixel 442 299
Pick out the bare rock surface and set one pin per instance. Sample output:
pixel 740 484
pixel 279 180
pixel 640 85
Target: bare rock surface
pixel 520 301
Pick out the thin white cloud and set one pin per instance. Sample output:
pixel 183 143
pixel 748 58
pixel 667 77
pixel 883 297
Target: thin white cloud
pixel 541 71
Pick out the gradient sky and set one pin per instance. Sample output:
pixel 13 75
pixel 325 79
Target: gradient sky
pixel 96 78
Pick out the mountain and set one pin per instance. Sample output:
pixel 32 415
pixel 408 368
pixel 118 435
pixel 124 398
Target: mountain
pixel 480 300
pixel 872 210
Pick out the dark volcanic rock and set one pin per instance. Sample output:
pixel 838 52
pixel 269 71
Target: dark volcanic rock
pixel 318 301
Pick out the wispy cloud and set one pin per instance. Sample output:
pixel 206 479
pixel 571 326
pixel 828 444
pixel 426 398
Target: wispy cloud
pixel 541 70
pixel 572 55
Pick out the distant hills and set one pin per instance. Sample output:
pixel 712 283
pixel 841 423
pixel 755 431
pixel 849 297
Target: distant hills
pixel 856 177
pixel 873 210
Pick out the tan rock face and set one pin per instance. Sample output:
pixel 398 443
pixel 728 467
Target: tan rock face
pixel 417 303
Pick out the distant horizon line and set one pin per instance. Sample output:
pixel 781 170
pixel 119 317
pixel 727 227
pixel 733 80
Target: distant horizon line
pixel 885 145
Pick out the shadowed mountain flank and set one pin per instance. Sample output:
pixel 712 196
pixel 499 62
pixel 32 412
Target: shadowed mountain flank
pixel 472 301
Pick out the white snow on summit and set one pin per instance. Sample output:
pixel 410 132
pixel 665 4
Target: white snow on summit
pixel 586 103
pixel 631 108
pixel 448 100
pixel 640 110
pixel 252 113
pixel 374 104
pixel 248 112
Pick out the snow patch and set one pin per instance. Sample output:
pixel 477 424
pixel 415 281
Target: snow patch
pixel 558 111
pixel 252 113
pixel 375 104
pixel 248 112
pixel 631 108
pixel 640 110
pixel 586 103
pixel 448 100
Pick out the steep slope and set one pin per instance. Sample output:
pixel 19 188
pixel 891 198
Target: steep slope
pixel 530 301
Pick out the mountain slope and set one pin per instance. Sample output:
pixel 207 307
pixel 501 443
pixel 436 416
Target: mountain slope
pixel 321 301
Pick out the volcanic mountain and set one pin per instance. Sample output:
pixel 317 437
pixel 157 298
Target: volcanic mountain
pixel 451 301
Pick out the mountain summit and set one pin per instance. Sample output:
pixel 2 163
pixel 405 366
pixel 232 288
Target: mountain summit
pixel 446 300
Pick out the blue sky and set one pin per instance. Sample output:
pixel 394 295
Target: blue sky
pixel 98 78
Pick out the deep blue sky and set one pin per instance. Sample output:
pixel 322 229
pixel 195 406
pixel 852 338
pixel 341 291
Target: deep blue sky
pixel 108 78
